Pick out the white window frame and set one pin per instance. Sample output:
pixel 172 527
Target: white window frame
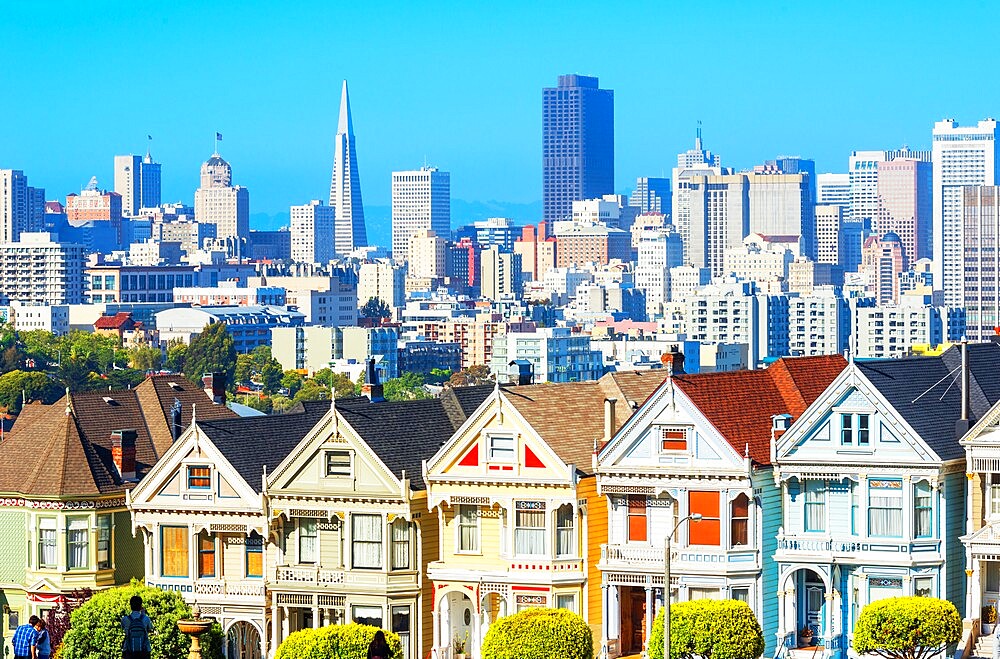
pixel 107 563
pixel 300 536
pixel 490 448
pixel 541 531
pixel 561 551
pixel 459 525
pixel 329 453
pixel 561 599
pixel 673 451
pixel 48 524
pixel 77 525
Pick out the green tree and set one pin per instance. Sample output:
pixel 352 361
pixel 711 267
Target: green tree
pixel 292 380
pixel 439 375
pixel 709 629
pixel 145 358
pixel 96 629
pixel 35 385
pixel 270 376
pixel 11 359
pixel 539 634
pixel 212 351
pixel 408 386
pixel 176 356
pixel 75 373
pixel 375 309
pixel 342 641
pixel 342 385
pixel 907 627
pixel 280 403
pixel 259 403
pixel 244 369
pixel 312 390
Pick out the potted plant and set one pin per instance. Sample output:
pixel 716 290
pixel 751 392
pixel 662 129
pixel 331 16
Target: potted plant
pixel 989 618
pixel 805 637
pixel 458 645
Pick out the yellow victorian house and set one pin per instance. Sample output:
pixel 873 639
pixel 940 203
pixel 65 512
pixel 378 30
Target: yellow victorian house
pixel 520 523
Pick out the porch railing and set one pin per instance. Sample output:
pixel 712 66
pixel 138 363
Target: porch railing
pixel 317 576
pixel 828 545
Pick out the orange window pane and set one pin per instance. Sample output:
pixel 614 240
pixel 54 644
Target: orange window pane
pixel 255 564
pixel 637 526
pixel 706 531
pixel 706 503
pixel 206 556
pixel 174 551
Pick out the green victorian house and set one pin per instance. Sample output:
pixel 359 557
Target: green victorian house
pixel 64 471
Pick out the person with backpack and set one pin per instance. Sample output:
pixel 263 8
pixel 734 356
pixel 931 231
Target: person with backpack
pixel 378 649
pixel 138 627
pixel 42 647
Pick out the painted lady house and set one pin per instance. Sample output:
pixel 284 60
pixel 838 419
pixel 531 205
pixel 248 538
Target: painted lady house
pixel 873 485
pixel 65 470
pixel 700 445
pixel 514 492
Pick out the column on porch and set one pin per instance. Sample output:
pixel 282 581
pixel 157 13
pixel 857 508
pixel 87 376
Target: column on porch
pixel 604 615
pixel 649 611
pixel 975 586
pixel 780 630
pixel 445 619
pixel 435 631
pixel 275 629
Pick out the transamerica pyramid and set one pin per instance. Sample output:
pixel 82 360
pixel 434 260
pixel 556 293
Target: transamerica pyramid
pixel 345 185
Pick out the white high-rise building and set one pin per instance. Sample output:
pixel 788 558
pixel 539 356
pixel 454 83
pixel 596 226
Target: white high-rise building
pixel 693 162
pixel 652 271
pixel 719 219
pixel 345 184
pixel 862 169
pixel 428 255
pixel 312 232
pixel 818 324
pixel 981 294
pixel 962 155
pixel 38 270
pixel 500 273
pixel 829 225
pixel 220 203
pixel 780 205
pixel 137 180
pixel 384 280
pixel 421 199
pixel 14 204
pixel 834 190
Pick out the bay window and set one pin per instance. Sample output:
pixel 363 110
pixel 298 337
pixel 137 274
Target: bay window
pixel 173 551
pixel 400 544
pixel 366 541
pixel 77 543
pixel 529 528
pixel 103 542
pixel 739 523
pixel 815 505
pixel 206 555
pixel 565 530
pixel 923 515
pixel 885 507
pixel 47 543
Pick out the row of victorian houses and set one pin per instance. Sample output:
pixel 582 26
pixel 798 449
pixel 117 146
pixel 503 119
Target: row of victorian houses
pixel 821 485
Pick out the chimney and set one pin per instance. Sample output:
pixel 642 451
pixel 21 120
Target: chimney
pixel 372 388
pixel 609 418
pixel 962 425
pixel 214 385
pixel 123 453
pixel 676 360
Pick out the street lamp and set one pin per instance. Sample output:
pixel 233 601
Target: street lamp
pixel 694 517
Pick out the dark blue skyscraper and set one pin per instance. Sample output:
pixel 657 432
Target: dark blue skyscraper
pixel 578 144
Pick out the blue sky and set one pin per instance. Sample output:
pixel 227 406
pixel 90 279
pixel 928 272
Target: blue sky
pixel 459 85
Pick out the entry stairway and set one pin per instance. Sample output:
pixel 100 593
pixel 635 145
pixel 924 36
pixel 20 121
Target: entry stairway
pixel 984 647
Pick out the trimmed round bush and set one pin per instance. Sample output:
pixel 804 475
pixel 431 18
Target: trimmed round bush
pixel 96 631
pixel 341 641
pixel 539 634
pixel 907 627
pixel 716 629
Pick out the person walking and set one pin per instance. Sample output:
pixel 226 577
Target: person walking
pixel 42 647
pixel 24 638
pixel 378 648
pixel 138 627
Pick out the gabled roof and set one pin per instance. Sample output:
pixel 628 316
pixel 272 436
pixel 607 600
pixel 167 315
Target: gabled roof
pixel 158 394
pixel 120 320
pixel 50 453
pixel 569 416
pixel 403 434
pixel 741 404
pixel 927 391
pixel 250 444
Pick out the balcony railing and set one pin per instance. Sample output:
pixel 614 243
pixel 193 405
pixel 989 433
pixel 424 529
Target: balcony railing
pixel 318 576
pixel 837 546
pixel 651 556
pixel 237 591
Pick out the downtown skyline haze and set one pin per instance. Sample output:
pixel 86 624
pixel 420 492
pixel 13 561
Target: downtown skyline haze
pixel 459 87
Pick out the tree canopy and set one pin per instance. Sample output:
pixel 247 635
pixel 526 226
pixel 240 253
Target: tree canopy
pixel 212 351
pixel 907 627
pixel 375 309
pixel 539 633
pixel 709 629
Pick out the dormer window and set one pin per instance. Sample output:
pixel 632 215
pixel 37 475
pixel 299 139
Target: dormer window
pixel 673 439
pixel 199 477
pixel 502 448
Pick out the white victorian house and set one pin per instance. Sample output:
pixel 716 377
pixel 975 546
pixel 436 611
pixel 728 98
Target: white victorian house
pixel 873 488
pixel 698 445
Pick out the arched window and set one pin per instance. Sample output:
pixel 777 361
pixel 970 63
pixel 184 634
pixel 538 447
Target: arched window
pixel 739 530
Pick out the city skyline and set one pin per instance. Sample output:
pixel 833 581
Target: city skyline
pixel 450 117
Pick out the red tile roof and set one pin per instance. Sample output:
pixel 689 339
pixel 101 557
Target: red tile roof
pixel 741 404
pixel 119 321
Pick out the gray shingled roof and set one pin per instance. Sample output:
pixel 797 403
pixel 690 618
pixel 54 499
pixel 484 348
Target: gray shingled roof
pixel 404 434
pixel 927 391
pixel 252 443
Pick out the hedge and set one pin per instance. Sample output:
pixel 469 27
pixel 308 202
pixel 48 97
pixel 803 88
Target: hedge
pixel 539 634
pixel 96 631
pixel 336 642
pixel 716 629
pixel 907 627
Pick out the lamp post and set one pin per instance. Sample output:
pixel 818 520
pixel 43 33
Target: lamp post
pixel 694 517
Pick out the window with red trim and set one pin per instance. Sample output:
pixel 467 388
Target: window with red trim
pixel 637 526
pixel 674 439
pixel 706 531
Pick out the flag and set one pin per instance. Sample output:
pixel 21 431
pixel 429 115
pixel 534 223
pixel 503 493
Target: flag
pixel 218 137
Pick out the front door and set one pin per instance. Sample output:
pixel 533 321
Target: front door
pixel 812 609
pixel 637 608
